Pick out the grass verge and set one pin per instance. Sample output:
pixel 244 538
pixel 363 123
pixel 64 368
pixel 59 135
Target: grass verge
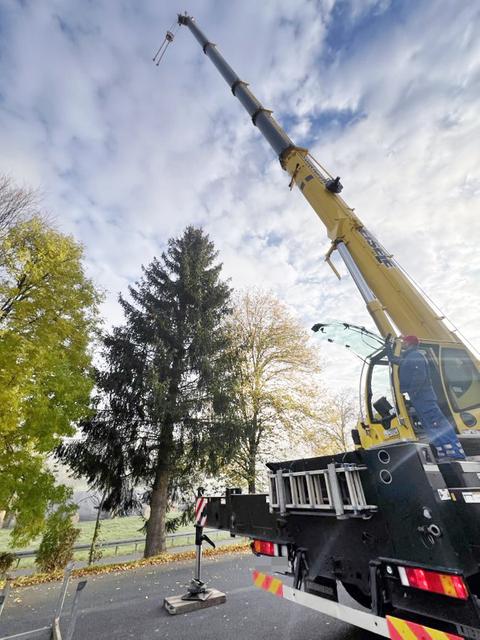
pixel 124 528
pixel 163 558
pixel 120 528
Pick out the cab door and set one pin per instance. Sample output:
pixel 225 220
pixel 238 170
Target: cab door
pixel 387 415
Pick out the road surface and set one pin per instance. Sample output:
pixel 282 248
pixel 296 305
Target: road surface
pixel 128 605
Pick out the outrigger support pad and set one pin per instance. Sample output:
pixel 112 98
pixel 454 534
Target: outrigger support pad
pixel 197 589
pixel 198 595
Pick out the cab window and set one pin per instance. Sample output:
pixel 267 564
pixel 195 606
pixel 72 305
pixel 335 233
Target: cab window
pixel 462 379
pixel 381 405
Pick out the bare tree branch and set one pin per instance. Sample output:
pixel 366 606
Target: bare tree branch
pixel 16 204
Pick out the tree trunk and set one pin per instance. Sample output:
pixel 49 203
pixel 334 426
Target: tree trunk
pixel 155 541
pixel 96 531
pixel 252 466
pixel 252 455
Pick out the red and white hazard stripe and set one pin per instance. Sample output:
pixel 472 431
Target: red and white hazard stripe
pixel 389 627
pixel 201 512
pixel 400 629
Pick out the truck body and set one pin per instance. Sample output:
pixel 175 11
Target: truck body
pixel 378 521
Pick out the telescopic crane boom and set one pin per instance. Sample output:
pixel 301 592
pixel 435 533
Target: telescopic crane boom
pixel 391 299
pixel 395 304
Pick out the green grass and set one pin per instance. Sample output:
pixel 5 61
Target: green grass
pixel 114 529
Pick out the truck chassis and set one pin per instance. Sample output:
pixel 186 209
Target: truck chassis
pixel 374 520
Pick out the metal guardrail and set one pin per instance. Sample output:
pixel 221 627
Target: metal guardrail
pixel 31 553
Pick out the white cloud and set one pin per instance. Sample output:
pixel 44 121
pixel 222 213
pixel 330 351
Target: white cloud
pixel 128 154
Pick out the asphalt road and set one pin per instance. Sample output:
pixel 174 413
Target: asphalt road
pixel 128 605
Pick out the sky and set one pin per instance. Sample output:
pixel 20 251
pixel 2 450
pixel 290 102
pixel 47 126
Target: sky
pixel 127 154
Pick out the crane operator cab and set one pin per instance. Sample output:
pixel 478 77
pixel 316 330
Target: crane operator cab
pixel 448 415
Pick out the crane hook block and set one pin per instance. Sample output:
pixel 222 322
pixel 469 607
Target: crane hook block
pixel 169 36
pixel 335 186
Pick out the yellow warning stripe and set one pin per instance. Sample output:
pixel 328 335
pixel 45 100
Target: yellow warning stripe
pixel 275 586
pixel 268 583
pixel 404 630
pixel 258 579
pixel 448 586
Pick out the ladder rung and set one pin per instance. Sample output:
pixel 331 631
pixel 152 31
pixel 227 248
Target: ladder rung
pixel 337 488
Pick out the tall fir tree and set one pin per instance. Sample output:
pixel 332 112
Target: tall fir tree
pixel 167 380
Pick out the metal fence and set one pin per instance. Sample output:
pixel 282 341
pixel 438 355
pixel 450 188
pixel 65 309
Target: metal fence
pixel 172 541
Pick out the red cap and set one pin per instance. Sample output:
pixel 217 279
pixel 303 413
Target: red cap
pixel 411 341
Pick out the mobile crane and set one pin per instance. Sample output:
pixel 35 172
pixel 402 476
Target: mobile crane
pixel 398 528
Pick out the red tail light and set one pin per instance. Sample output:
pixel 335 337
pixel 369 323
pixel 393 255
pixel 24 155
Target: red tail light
pixel 460 587
pixel 443 583
pixel 264 548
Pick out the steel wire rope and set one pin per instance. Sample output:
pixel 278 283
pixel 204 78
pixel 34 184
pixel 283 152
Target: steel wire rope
pixel 436 308
pixel 321 167
pixel 170 35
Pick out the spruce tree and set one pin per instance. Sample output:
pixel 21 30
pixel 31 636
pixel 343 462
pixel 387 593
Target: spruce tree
pixel 167 382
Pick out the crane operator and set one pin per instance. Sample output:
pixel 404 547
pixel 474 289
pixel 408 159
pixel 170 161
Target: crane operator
pixel 415 380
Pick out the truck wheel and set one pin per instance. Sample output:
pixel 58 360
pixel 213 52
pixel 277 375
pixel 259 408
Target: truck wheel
pixel 357 594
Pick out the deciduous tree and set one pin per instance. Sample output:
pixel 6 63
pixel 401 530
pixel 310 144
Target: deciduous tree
pixel 276 379
pixel 47 318
pixel 331 432
pixel 16 204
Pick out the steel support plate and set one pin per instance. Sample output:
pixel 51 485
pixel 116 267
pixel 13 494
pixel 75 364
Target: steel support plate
pixel 175 605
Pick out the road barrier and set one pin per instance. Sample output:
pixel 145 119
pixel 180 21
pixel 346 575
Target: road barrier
pixel 172 538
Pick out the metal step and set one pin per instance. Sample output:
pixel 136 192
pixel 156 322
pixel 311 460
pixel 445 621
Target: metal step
pixel 336 490
pixel 470 443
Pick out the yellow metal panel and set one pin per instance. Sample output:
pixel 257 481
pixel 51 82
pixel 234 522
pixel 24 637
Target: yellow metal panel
pixel 406 307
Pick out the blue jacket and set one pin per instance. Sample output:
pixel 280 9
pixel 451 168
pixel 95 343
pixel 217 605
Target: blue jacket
pixel 415 380
pixel 415 376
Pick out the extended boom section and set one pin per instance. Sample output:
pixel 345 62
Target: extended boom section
pixel 261 117
pixel 391 298
pixel 394 303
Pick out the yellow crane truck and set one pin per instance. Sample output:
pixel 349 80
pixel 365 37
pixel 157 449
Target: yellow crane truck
pixel 395 525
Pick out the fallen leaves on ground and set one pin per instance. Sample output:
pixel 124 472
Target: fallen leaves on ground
pixel 163 558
